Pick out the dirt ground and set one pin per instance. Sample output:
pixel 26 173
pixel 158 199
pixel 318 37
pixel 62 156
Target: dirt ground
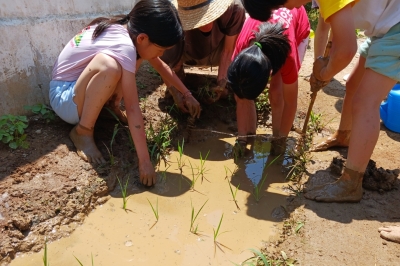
pixel 46 191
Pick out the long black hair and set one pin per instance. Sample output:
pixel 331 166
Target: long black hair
pixel 249 72
pixel 158 19
pixel 262 9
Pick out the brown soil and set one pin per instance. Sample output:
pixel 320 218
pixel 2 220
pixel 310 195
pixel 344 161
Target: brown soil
pixel 47 190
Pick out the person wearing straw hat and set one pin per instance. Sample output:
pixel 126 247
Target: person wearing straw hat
pixel 211 29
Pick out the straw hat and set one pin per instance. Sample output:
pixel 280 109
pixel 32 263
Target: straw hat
pixel 197 13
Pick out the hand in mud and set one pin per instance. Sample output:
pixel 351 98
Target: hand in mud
pixel 147 173
pixel 215 94
pixel 114 105
pixel 178 99
pixel 192 105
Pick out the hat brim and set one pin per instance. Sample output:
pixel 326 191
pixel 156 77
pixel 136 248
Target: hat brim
pixel 196 18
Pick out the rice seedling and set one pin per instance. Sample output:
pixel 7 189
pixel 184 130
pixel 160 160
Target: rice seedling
pixel 180 161
pixel 164 174
pixel 202 169
pixel 195 177
pixel 123 192
pixel 193 218
pixel 159 142
pixel 216 234
pixel 80 263
pixel 45 259
pixel 155 211
pixel 300 159
pixel 258 188
pixel 234 194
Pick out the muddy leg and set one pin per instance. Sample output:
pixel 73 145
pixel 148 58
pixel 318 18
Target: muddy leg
pixel 348 188
pixel 93 89
pixel 85 146
pixel 341 137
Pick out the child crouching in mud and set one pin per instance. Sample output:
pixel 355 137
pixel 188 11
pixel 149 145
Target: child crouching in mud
pixel 98 66
pixel 293 30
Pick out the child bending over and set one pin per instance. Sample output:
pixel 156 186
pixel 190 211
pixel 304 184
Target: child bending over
pixel 98 67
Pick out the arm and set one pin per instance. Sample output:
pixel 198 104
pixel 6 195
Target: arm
pixel 226 56
pixel 136 127
pixel 169 76
pixel 344 43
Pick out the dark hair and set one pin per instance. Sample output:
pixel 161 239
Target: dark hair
pixel 249 72
pixel 262 9
pixel 158 19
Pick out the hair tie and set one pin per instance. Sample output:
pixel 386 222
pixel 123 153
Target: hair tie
pixel 258 44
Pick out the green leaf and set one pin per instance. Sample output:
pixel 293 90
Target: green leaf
pixel 13 145
pixel 259 254
pixel 299 226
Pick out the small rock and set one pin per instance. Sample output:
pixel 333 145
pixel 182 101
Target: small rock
pixel 22 223
pixel 38 131
pixel 128 243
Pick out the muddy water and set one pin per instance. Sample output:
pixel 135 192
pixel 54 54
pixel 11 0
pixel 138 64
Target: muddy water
pixel 115 237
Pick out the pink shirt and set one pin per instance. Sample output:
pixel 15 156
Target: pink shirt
pixel 80 50
pixel 297 27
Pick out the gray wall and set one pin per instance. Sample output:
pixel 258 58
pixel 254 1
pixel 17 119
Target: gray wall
pixel 32 34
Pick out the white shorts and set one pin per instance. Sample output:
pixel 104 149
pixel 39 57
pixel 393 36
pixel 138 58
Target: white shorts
pixel 61 97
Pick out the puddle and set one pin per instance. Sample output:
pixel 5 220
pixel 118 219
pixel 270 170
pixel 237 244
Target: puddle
pixel 116 237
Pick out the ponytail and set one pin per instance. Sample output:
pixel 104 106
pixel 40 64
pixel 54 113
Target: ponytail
pixel 104 23
pixel 249 72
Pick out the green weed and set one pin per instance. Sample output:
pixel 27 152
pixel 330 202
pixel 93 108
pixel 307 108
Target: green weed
pixel 43 110
pixel 124 194
pixel 262 102
pixel 261 259
pixel 12 129
pixel 300 159
pixel 155 211
pixel 193 218
pixel 234 194
pixel 141 85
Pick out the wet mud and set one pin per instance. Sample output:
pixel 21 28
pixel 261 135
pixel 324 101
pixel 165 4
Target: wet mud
pixel 376 179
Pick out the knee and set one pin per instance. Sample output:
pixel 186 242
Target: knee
pixel 109 65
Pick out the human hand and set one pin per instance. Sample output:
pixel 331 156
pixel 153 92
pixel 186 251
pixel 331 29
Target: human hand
pixel 317 79
pixel 192 105
pixel 147 173
pixel 178 99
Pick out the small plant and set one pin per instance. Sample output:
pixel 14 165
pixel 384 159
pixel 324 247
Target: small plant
pixel 193 218
pixel 315 123
pixel 80 263
pixel 216 234
pixel 159 142
pixel 180 161
pixel 43 110
pixel 141 85
pixel 299 163
pixel 234 194
pixel 12 129
pixel 45 259
pixel 123 192
pixel 155 211
pixel 260 258
pixel 195 176
pixel 202 169
pixel 262 102
pixel 164 174
pixel 258 188
pixel 154 73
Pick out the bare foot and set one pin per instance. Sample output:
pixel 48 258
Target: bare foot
pixel 340 138
pixel 348 188
pixel 391 233
pixel 85 146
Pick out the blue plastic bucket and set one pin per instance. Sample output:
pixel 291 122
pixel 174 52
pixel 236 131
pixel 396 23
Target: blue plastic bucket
pixel 390 109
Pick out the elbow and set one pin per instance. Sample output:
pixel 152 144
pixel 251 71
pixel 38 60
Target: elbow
pixel 349 52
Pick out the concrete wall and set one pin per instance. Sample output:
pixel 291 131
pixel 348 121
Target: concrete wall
pixel 32 34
